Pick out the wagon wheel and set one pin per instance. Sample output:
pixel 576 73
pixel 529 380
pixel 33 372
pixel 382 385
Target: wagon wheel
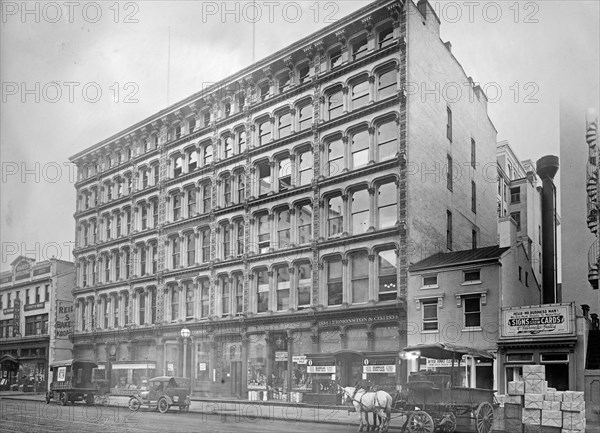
pixel 484 417
pixel 447 423
pixel 64 398
pixel 134 404
pixel 420 422
pixel 163 405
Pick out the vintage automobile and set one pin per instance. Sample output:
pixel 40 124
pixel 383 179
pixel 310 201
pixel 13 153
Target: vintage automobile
pixel 162 393
pixel 71 380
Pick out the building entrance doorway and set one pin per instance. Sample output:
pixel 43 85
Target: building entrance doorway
pixel 350 368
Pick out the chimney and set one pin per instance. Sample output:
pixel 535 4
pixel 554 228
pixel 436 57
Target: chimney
pixel 507 231
pixel 547 166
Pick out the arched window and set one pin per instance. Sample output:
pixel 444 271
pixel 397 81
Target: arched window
pixel 191 202
pixel 240 179
pixel 360 149
pixel 176 206
pixel 142 250
pixel 304 285
pixel 283 229
pixel 174 303
pixel 335 104
pixel 226 188
pixel 241 141
pixel 264 178
pixel 190 239
pixel 283 288
pixel 285 174
pixel 228 146
pixel 305 167
pixel 305 116
pixel 335 290
pixel 387 140
pixel 205 239
pixel 385 37
pixel 225 295
pixel 359 273
pixel 145 178
pixel 239 224
pixel 387 199
pixel 387 83
pixel 284 124
pixel 141 307
pixel 360 93
pixel 359 47
pixel 284 82
pixel 207 154
pixel 238 291
pixel 335 57
pixel 387 275
pixel 192 160
pixel 304 223
pixel 204 298
pixel 360 211
pixel 264 131
pixel 154 251
pixel 262 291
pixel 226 239
pixel 206 197
pixel 264 234
pixel 335 216
pixel 175 252
pixel 303 73
pixel 178 167
pixel 335 157
pixel 189 300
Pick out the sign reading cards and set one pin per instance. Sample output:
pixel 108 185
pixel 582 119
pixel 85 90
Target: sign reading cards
pixel 537 320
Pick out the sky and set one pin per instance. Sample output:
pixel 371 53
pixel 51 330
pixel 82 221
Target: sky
pixel 73 76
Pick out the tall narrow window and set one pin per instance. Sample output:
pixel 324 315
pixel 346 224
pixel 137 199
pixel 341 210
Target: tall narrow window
pixel 241 102
pixel 359 277
pixel 335 157
pixel 335 104
pixel 126 260
pixel 359 47
pixel 226 228
pixel 283 229
pixel 208 154
pixel 174 303
pixel 264 132
pixel 285 174
pixel 515 195
pixel 142 308
pixel 155 170
pixel 283 288
pixel 153 305
pixel 472 306
pixel 449 230
pixel 360 94
pixel 473 197
pixel 142 249
pixel 334 282
pixel 227 109
pixel 206 193
pixel 304 285
pixel 335 58
pixel 241 186
pixel 360 149
pixel 241 141
pixel 303 73
pixel 154 250
pixel 206 118
pixel 449 124
pixel 449 173
pixel 176 246
pixel 284 125
pixel 264 90
pixel 304 220
pixel 473 154
pixel 178 168
pixel 360 211
pixel 284 83
pixel 240 237
pixel 430 315
pixel 155 213
pixel 191 202
pixel 145 178
pixel 192 160
pixel 264 178
pixel 387 199
pixel 385 38
pixel 387 140
pixel 106 269
pixel 204 298
pixel 226 183
pixel 305 117
pixel 305 168
pixel 228 146
pixel 205 235
pixel 387 84
pixel 191 248
pixel 144 208
pixel 335 221
pixel 262 291
pixel 108 227
pixel 176 206
pixel 224 296
pixel 128 221
pixel 191 124
pixel 264 234
pixel 238 290
pixel 516 216
pixel 387 275
pixel 189 300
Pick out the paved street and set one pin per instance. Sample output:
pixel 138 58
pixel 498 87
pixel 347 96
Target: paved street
pixel 34 417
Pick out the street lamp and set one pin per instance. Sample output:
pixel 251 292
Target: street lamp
pixel 185 334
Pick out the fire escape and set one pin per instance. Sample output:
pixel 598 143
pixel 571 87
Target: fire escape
pixel 593 188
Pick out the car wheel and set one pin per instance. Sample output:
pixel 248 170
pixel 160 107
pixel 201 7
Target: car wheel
pixel 163 405
pixel 134 404
pixel 64 398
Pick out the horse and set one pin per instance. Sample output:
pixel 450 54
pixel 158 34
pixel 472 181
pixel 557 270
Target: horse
pixel 378 402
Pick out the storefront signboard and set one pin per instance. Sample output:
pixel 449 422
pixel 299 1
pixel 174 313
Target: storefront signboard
pixel 8 311
pixel 379 368
pixel 433 363
pixel 40 271
pixel 62 372
pixel 537 321
pixel 202 366
pixel 281 356
pixel 22 270
pixel 30 307
pixel 17 317
pixel 300 359
pixel 356 320
pixel 324 369
pixel 4 280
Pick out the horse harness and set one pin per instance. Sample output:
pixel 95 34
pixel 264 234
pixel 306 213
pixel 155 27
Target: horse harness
pixel 376 404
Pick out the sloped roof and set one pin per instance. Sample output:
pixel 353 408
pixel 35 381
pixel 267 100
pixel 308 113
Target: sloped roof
pixel 441 260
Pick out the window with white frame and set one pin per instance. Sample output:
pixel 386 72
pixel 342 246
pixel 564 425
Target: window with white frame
pixel 155 212
pixel 305 167
pixel 145 178
pixel 360 93
pixel 472 275
pixel 304 285
pixel 106 268
pixel 360 148
pixel 175 252
pixel 240 235
pixel 154 252
pixel 359 277
pixel 204 298
pixel 283 229
pixel 238 292
pixel 241 141
pixel 283 288
pixel 264 233
pixel 335 156
pixel 284 124
pixel 142 252
pixel 387 199
pixel 429 310
pixel 174 302
pixel 176 206
pixel 188 288
pixel 334 281
pixel 335 104
pixel 155 170
pixel 387 140
pixel 262 291
pixel 360 211
pixel 305 116
pixel 285 174
pixel 228 146
pixel 430 280
pixel 118 221
pixel 226 239
pixel 206 197
pixel 387 83
pixel 335 216
pixel 225 295
pixel 191 124
pixel 240 181
pixel 304 221
pixel 472 311
pixel 359 47
pixel 190 239
pixel 178 166
pixel 191 202
pixel 192 156
pixel 387 272
pixel 335 57
pixel 226 188
pixel 263 169
pixel 207 154
pixel 205 247
pixel 264 131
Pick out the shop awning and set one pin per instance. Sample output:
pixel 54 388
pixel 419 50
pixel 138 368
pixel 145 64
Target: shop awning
pixel 447 351
pixel 136 366
pixel 8 358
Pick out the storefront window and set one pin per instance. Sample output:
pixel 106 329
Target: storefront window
pixel 330 341
pixel 356 339
pixel 257 363
pixel 203 361
pixel 278 380
pixel 386 338
pixel 301 345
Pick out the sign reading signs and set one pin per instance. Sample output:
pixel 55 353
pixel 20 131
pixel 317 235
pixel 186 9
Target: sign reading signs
pixel 537 321
pixel 65 312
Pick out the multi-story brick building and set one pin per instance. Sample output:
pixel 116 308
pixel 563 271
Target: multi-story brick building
pixel 30 295
pixel 275 214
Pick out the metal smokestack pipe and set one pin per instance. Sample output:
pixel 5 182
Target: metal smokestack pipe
pixel 547 166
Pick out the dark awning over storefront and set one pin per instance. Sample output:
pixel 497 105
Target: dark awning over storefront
pixel 447 351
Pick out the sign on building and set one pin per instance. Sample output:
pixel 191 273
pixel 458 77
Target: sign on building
pixel 537 321
pixel 65 319
pixel 16 317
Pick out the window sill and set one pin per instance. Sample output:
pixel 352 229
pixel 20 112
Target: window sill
pixel 472 329
pixel 430 287
pixel 470 283
pixel 431 332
